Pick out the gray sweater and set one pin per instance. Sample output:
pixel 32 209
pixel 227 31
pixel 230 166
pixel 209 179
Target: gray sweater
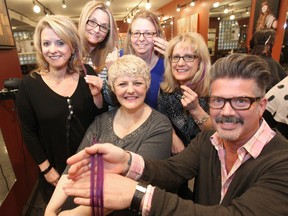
pixel 152 140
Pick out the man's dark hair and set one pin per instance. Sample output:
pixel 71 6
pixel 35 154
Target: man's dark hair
pixel 243 66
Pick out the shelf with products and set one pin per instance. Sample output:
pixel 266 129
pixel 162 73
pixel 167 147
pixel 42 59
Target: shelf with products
pixel 27 58
pixel 25 47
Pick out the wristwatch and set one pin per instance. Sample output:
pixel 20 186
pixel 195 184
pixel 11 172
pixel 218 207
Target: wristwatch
pixel 140 191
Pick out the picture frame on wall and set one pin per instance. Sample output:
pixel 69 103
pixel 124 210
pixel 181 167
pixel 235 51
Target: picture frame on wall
pixel 6 36
pixel 187 24
pixel 266 14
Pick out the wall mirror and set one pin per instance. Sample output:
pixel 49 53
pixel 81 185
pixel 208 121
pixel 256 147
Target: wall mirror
pixel 228 25
pixel 7 176
pixel 167 25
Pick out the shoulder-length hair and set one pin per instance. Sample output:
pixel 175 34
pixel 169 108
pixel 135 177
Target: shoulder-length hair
pixel 143 14
pixel 201 80
pixel 100 52
pixel 67 31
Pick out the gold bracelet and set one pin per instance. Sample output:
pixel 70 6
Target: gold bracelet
pixel 203 119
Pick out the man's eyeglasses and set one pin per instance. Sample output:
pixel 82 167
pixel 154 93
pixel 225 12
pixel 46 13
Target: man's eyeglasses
pixel 186 58
pixel 237 103
pixel 145 34
pixel 102 27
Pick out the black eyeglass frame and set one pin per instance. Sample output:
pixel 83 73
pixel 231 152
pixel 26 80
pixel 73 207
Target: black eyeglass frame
pixel 251 101
pixel 102 28
pixel 173 60
pixel 145 34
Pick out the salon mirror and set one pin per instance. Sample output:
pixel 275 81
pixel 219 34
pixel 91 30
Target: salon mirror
pixel 7 176
pixel 167 26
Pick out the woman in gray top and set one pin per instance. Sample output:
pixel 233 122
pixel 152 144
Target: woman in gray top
pixel 134 126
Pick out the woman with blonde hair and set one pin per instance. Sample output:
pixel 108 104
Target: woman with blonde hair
pixel 186 82
pixel 98 34
pixel 55 103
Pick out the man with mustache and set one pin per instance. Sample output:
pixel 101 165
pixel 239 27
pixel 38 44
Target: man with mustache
pixel 239 169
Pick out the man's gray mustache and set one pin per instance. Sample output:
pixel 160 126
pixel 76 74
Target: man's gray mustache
pixel 229 119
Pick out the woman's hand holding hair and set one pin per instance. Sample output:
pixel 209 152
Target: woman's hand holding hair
pixel 111 58
pixel 95 86
pixel 115 160
pixel 189 99
pixel 190 102
pixel 160 45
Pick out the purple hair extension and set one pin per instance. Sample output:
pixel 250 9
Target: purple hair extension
pixel 97 199
pixel 190 84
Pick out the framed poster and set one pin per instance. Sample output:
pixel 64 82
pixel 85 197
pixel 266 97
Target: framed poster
pixel 266 14
pixel 6 36
pixel 187 24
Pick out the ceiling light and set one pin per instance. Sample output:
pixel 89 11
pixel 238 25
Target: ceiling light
pixel 216 4
pixel 226 10
pixel 247 12
pixel 63 4
pixel 108 2
pixel 219 18
pixel 148 5
pixel 192 4
pixel 232 17
pixel 178 8
pixel 36 8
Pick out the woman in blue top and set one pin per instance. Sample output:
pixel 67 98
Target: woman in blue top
pixel 145 40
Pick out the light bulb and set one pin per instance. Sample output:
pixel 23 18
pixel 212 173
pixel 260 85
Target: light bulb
pixel 36 9
pixel 148 5
pixel 216 4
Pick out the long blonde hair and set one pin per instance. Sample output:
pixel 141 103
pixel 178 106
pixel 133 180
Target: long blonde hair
pixel 100 52
pixel 201 79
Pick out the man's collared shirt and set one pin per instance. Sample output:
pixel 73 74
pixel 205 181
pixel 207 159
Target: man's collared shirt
pixel 251 149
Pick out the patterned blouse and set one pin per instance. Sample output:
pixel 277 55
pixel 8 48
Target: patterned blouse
pixel 183 123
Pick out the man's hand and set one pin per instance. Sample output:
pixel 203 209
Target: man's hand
pixel 115 160
pixel 118 191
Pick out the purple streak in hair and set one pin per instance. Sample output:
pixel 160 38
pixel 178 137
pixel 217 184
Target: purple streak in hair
pixel 97 199
pixel 191 85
